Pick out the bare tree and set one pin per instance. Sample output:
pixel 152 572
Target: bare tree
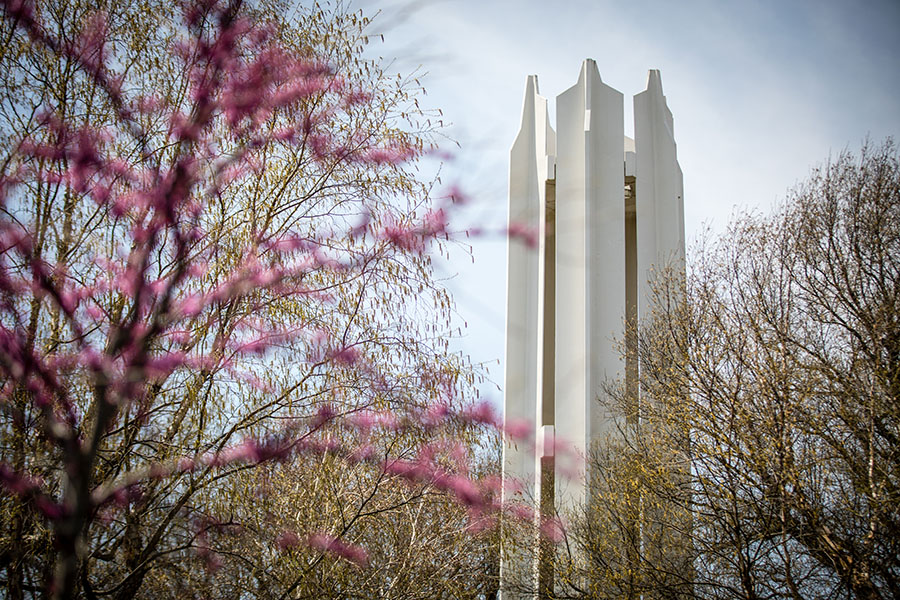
pixel 772 376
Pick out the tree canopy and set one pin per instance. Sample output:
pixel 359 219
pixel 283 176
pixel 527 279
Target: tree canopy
pixel 766 461
pixel 223 351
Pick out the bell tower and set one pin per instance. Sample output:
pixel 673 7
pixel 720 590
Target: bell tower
pixel 610 212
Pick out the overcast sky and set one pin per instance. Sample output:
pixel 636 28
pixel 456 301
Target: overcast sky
pixel 760 91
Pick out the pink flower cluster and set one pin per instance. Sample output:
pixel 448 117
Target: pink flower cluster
pixel 328 543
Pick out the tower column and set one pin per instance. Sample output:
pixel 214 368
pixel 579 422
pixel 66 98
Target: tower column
pixel 590 269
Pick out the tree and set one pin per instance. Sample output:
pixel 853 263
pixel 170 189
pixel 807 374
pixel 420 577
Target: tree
pixel 213 259
pixel 779 360
pixel 419 543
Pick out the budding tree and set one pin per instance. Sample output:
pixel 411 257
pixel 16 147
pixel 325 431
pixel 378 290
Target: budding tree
pixel 213 257
pixel 779 360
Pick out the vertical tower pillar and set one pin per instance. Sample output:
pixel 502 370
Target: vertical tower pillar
pixel 590 269
pixel 660 189
pixel 527 328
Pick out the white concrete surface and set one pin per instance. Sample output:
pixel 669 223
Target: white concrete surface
pixel 660 190
pixel 590 266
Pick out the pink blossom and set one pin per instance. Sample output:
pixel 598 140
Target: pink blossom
pixel 90 358
pixel 68 301
pixel 13 237
pixel 363 420
pixel 94 311
pixel 163 365
pixel 157 287
pixel 258 347
pixel 362 227
pixel 528 235
pixel 247 451
pixel 481 522
pixel 391 155
pixel 388 420
pixel 406 469
pixel 182 336
pixel 126 283
pixel 465 489
pixel 285 134
pixel 18 483
pixel 435 415
pixel 522 511
pixel 197 269
pixel 287 540
pixel 483 412
pixel 459 453
pixel 90 45
pixel 357 97
pixel 346 356
pixel 51 510
pixel 20 9
pixel 326 412
pixel 514 486
pixel 297 89
pixel 29 147
pixel 190 306
pixel 404 237
pixel 518 429
pixel 238 77
pixel 120 168
pixel 319 143
pixel 147 104
pixel 212 560
pixel 125 495
pixel 288 243
pixel 435 222
pixel 100 193
pixel 455 194
pixel 208 362
pixel 328 543
pixel 28 487
pixel 553 530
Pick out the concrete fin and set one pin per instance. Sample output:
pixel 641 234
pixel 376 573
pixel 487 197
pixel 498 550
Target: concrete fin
pixel 531 92
pixel 655 92
pixel 531 163
pixel 659 201
pixel 590 263
pixel 654 82
pixel 535 132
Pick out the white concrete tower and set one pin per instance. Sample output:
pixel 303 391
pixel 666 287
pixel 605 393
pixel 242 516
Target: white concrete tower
pixel 610 215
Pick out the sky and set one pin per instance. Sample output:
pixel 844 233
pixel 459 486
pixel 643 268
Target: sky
pixel 761 92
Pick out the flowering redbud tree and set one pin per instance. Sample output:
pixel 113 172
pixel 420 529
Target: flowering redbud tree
pixel 216 258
